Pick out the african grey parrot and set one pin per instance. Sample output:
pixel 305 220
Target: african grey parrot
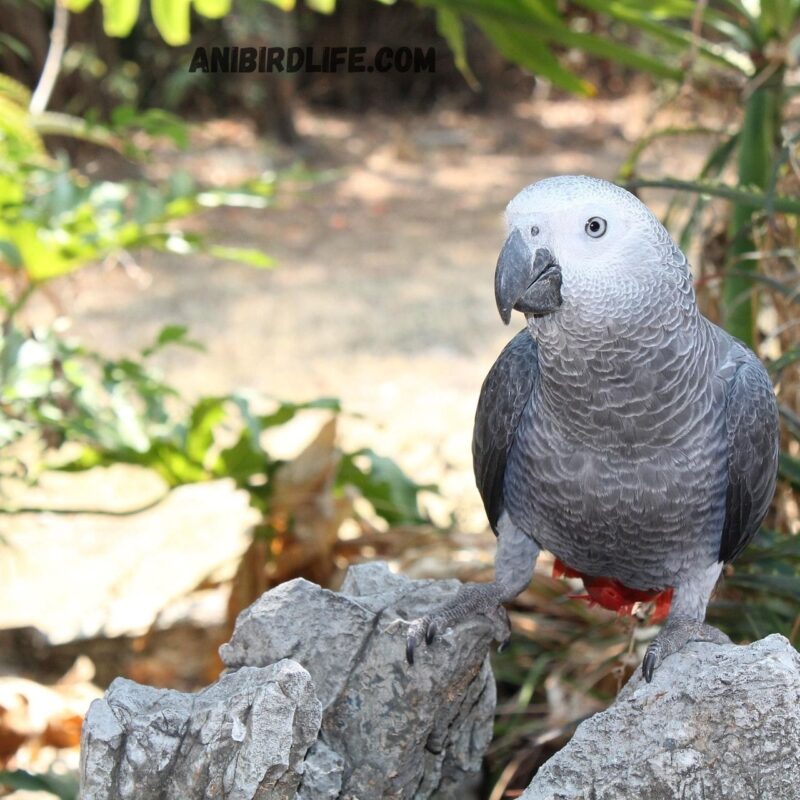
pixel 620 430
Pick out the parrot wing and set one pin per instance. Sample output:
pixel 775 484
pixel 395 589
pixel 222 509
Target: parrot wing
pixel 505 393
pixel 751 418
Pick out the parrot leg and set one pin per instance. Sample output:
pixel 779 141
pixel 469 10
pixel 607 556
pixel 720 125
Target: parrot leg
pixel 514 563
pixel 685 622
pixel 673 636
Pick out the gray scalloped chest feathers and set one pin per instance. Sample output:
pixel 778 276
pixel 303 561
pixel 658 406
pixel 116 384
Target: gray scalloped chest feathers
pixel 620 430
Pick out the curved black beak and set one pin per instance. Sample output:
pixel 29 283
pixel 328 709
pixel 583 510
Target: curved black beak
pixel 525 281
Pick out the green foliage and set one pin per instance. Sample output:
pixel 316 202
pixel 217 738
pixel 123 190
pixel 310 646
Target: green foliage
pixel 566 660
pixel 64 787
pixel 746 41
pixel 528 33
pixel 58 392
pixel 55 220
pixel 762 595
pixel 393 495
pixel 171 17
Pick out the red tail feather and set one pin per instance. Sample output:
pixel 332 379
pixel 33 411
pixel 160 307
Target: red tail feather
pixel 615 596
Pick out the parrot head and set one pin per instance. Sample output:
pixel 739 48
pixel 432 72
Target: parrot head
pixel 575 237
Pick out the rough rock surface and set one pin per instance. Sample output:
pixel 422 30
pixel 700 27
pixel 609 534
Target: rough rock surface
pixel 388 730
pixel 243 737
pixel 318 703
pixel 716 722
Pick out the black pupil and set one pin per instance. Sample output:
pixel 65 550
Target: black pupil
pixel 594 225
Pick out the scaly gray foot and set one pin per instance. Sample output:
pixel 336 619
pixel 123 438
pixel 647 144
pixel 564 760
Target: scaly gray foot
pixel 677 631
pixel 472 599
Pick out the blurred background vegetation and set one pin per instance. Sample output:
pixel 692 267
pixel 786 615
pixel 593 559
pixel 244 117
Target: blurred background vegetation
pixel 280 286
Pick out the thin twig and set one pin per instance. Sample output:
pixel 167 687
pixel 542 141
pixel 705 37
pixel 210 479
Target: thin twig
pixel 52 64
pixel 697 29
pixel 738 195
pixel 129 512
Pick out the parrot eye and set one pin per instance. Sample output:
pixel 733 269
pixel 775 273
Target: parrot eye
pixel 596 227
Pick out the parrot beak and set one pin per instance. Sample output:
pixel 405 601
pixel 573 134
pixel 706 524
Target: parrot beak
pixel 524 281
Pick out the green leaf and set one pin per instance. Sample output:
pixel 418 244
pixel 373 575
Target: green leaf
pixel 322 6
pixel 525 31
pixel 13 44
pixel 173 465
pixel 533 54
pixel 206 415
pixel 243 460
pixel 172 20
pixel 17 134
pixel 665 23
pixel 612 50
pixel 244 255
pixel 712 169
pixel 119 16
pixel 15 91
pixel 392 494
pixel 62 786
pixel 88 458
pixel 451 28
pixel 750 198
pixel 172 334
pixel 213 9
pixel 287 411
pixel 155 121
pixel 10 254
pixel 789 469
pixel 787 359
pixel 41 253
pixel 629 167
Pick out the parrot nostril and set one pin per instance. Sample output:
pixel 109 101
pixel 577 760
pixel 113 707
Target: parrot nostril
pixel 535 230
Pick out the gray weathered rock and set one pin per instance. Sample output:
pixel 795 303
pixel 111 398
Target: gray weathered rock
pixel 318 703
pixel 322 779
pixel 243 738
pixel 716 722
pixel 399 731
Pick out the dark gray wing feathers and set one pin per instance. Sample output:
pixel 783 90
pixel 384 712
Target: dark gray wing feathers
pixel 751 417
pixel 504 395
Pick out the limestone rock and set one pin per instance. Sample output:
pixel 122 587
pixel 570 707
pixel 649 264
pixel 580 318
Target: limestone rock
pixel 317 703
pixel 243 738
pixel 400 731
pixel 716 722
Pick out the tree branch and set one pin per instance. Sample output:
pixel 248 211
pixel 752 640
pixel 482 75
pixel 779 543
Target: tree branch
pixel 52 64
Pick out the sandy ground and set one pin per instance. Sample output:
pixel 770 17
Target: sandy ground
pixel 382 295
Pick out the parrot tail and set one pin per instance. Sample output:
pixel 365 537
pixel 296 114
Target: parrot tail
pixel 615 596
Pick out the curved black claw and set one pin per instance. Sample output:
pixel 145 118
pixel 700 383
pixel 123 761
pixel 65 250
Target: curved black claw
pixel 419 630
pixel 410 645
pixel 430 633
pixel 649 665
